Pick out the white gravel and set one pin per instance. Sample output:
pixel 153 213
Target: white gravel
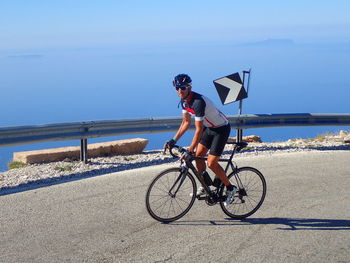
pixel 69 170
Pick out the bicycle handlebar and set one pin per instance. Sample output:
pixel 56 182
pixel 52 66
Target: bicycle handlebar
pixel 187 155
pixel 181 150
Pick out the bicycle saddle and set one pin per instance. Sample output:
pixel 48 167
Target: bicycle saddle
pixel 239 145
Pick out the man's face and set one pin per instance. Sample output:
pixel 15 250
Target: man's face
pixel 183 91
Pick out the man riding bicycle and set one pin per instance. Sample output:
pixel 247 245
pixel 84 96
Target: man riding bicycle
pixel 212 130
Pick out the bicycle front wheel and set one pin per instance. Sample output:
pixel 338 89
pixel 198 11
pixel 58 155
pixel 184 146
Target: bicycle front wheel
pixel 250 196
pixel 171 195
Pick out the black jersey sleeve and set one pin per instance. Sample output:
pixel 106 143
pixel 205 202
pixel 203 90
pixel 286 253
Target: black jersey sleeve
pixel 199 108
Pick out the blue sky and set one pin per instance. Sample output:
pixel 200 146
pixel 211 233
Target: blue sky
pixel 42 24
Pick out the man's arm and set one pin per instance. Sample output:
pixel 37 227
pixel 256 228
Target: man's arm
pixel 185 124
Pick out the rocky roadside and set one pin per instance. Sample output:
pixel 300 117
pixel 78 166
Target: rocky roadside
pixel 70 170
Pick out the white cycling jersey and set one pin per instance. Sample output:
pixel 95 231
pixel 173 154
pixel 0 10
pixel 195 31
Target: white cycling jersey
pixel 204 110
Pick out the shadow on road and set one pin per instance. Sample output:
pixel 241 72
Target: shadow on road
pixel 281 223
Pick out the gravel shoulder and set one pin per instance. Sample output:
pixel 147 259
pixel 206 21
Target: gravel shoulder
pixel 54 172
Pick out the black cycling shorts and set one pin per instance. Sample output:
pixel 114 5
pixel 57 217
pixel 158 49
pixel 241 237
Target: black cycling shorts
pixel 215 139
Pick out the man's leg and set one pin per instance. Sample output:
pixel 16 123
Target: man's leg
pixel 213 164
pixel 201 152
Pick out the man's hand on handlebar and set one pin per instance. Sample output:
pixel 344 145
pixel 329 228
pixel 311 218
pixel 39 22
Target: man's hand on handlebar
pixel 169 144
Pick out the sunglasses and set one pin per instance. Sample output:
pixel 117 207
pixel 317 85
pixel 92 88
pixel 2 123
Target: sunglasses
pixel 181 87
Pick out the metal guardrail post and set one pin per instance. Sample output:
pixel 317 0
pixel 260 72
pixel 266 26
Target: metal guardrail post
pixel 83 150
pixel 84 147
pixel 239 137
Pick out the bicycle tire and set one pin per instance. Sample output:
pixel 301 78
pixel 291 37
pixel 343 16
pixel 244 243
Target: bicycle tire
pixel 251 193
pixel 160 203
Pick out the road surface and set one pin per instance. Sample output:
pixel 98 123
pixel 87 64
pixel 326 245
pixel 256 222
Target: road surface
pixel 305 218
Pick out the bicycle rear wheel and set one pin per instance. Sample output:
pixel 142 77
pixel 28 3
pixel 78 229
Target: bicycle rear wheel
pixel 250 196
pixel 171 195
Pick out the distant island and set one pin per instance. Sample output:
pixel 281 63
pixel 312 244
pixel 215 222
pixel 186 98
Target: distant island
pixel 271 42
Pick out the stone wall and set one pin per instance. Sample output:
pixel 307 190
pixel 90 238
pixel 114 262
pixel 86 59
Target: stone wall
pixel 129 146
pixel 249 138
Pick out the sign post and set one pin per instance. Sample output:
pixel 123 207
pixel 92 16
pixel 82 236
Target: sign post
pixel 230 89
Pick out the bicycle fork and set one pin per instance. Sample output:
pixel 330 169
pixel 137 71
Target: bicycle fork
pixel 178 182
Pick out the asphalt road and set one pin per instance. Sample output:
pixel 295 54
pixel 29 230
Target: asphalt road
pixel 305 218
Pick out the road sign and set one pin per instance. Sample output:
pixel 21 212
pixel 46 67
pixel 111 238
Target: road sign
pixel 230 88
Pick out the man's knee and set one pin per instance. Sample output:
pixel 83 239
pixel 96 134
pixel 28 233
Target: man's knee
pixel 212 164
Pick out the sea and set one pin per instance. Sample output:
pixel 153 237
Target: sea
pixel 130 81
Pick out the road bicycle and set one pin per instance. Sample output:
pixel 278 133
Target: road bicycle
pixel 172 193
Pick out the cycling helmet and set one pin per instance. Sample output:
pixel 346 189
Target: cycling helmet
pixel 182 80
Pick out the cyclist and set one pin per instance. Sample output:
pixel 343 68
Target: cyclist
pixel 212 130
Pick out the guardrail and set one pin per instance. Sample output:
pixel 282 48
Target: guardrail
pixel 17 135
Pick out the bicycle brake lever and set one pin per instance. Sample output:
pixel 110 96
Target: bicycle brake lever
pixel 186 156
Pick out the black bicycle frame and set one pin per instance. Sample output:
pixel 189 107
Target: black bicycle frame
pixel 200 178
pixel 190 166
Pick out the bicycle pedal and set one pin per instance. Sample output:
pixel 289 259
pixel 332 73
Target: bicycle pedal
pixel 242 192
pixel 201 197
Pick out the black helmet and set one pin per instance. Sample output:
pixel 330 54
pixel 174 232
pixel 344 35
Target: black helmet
pixel 182 80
